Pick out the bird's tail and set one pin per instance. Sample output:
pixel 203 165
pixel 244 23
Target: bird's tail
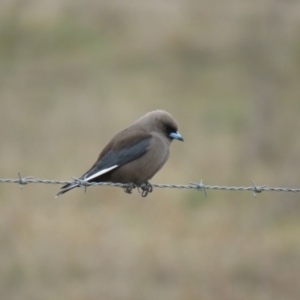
pixel 67 188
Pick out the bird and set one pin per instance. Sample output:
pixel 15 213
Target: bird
pixel 135 154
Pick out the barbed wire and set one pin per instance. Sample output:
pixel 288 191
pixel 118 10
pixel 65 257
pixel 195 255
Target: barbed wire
pixel 193 185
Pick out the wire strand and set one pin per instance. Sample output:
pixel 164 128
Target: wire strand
pixel 193 185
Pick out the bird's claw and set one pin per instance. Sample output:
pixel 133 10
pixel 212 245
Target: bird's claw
pixel 146 188
pixel 128 188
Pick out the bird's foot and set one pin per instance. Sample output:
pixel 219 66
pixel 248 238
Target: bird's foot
pixel 129 187
pixel 146 188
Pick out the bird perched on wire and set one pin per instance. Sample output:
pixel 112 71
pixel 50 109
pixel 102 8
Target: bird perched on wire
pixel 135 154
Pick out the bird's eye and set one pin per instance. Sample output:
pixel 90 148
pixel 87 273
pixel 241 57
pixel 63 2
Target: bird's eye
pixel 167 128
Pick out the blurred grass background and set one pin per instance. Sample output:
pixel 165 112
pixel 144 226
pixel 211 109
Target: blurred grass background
pixel 74 73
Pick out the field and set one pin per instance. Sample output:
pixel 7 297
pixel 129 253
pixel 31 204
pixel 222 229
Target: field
pixel 72 74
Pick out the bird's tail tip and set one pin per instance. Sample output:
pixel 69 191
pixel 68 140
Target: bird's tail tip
pixel 65 189
pixel 58 194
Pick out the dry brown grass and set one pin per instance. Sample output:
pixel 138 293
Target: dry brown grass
pixel 74 73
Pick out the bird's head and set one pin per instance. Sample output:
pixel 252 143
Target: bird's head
pixel 162 122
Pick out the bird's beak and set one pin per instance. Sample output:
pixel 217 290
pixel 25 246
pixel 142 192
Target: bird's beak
pixel 176 136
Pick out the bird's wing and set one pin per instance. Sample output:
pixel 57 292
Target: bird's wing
pixel 117 156
pixel 126 146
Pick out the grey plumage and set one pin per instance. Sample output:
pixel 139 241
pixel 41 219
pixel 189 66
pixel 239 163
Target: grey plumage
pixel 135 154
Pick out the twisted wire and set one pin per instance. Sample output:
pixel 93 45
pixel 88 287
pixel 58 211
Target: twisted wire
pixel 193 185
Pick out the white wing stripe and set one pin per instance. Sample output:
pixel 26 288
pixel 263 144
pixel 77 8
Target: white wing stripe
pixel 100 173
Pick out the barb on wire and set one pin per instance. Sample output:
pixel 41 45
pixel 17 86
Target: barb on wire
pixel 200 187
pixel 145 190
pixel 257 189
pixel 23 181
pixel 81 183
